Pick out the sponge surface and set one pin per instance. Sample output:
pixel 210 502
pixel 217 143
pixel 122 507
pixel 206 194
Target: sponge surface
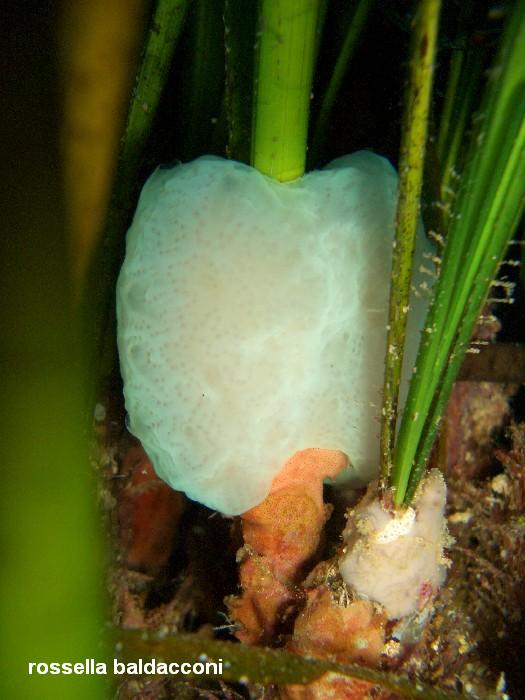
pixel 252 321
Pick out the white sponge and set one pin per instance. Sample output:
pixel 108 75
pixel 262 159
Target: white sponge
pixel 397 559
pixel 252 321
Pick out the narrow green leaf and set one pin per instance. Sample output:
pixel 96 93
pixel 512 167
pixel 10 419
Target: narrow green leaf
pixel 204 79
pixel 413 143
pixel 52 598
pixel 502 231
pixel 353 34
pixel 284 71
pixel 489 204
pixel 255 665
pixel 457 62
pixel 160 43
pixel 240 20
pixel 163 34
pixel 456 126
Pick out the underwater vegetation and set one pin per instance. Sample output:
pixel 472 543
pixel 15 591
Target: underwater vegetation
pixel 339 514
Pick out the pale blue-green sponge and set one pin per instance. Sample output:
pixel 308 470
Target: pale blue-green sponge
pixel 252 321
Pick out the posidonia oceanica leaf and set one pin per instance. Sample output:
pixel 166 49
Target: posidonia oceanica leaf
pixel 247 664
pixel 488 208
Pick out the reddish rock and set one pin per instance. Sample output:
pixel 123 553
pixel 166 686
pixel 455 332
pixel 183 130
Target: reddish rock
pixel 149 512
pixel 475 411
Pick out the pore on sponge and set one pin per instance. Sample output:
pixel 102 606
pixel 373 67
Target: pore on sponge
pixel 252 321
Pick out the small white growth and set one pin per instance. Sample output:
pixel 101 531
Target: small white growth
pixel 426 271
pixel 400 525
pixel 437 237
pixel 394 559
pixel 99 413
pixel 501 484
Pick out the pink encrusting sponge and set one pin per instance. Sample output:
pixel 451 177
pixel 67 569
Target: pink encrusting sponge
pixel 252 321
